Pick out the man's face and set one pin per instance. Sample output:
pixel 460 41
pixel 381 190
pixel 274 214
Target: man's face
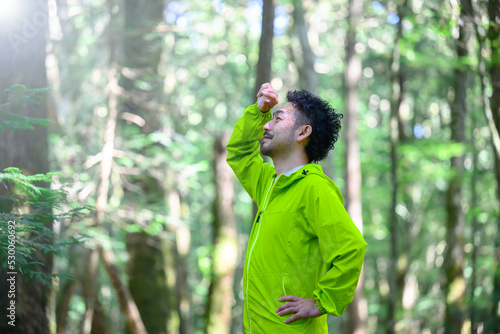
pixel 279 135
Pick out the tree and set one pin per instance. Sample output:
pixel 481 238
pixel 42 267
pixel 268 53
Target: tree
pixel 454 286
pixel 308 76
pixel 23 62
pixel 141 84
pixel 358 310
pixel 396 134
pixel 220 295
pixel 493 35
pixel 265 46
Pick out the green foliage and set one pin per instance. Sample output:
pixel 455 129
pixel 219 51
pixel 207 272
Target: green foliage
pixel 32 231
pixel 18 95
pixel 27 215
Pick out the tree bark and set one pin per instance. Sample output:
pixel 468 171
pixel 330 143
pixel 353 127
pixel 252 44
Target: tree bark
pixel 100 320
pixel 307 74
pixel 127 303
pixel 486 105
pixel 181 249
pixel 22 61
pixel 396 135
pixel 358 310
pixel 147 264
pixel 265 46
pixel 142 49
pixel 181 302
pixel 89 289
pixel 62 306
pixel 493 35
pixel 454 285
pixel 475 235
pixel 220 295
pixel 140 59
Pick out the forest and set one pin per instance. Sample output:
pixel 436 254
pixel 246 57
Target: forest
pixel 119 213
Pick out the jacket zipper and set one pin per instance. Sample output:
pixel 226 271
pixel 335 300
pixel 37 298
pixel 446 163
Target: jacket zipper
pixel 271 187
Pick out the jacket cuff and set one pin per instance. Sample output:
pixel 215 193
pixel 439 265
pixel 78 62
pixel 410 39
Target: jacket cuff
pixel 255 109
pixel 320 307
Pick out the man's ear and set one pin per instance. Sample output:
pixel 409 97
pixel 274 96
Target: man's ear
pixel 304 133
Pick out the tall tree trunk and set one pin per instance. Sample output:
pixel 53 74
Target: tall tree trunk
pixel 127 303
pixel 454 285
pixel 88 278
pixel 142 49
pixel 181 249
pixel 491 108
pixel 147 264
pixel 396 135
pixel 62 306
pixel 265 46
pixel 358 310
pixel 220 295
pixel 493 35
pixel 475 236
pixel 22 61
pixel 308 76
pixel 181 303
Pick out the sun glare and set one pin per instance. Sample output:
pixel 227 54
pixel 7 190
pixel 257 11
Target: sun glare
pixel 8 10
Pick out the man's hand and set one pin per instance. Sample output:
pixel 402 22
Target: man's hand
pixel 266 98
pixel 303 308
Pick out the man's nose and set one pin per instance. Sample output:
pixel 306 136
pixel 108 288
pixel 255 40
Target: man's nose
pixel 267 126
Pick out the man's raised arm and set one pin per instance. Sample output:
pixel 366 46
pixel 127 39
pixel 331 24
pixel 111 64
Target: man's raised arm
pixel 244 149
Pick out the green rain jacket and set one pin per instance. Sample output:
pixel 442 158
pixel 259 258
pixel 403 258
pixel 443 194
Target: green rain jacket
pixel 301 231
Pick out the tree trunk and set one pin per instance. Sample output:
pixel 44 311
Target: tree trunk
pixel 493 35
pixel 88 278
pixel 491 108
pixel 147 264
pixel 179 248
pixel 140 60
pixel 100 320
pixel 475 235
pixel 265 46
pixel 307 75
pixel 142 49
pixel 396 135
pixel 62 306
pixel 358 310
pixel 220 295
pixel 127 303
pixel 22 61
pixel 454 285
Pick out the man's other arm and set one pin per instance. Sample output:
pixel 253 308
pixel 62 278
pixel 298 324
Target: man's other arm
pixel 342 247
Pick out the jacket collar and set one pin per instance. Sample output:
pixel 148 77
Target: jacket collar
pixel 285 181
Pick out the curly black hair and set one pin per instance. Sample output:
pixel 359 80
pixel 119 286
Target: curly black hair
pixel 323 119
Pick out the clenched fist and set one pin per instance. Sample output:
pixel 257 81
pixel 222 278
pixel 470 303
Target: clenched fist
pixel 266 98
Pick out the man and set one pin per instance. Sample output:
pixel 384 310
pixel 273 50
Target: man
pixel 301 229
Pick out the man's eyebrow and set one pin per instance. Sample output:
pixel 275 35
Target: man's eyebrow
pixel 278 112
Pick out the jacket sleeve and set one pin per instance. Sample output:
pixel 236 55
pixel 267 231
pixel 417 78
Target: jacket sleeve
pixel 342 248
pixel 243 152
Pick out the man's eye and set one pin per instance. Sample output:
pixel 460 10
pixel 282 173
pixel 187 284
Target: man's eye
pixel 278 118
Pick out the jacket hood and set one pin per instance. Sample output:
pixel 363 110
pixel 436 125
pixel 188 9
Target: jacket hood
pixel 306 171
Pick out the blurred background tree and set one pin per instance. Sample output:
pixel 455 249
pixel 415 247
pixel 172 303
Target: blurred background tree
pixel 143 96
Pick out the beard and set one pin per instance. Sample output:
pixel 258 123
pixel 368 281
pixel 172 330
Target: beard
pixel 275 147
